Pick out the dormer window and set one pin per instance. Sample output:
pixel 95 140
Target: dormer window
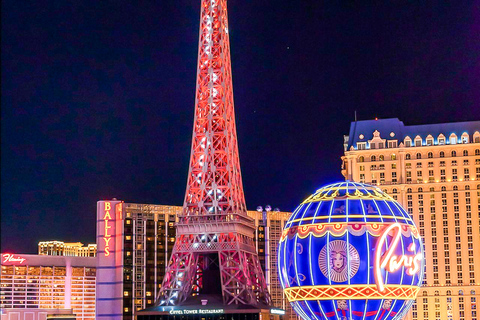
pixel 464 137
pixel 441 139
pixel 429 140
pixel 476 137
pixel 408 142
pixel 392 144
pixel 418 141
pixel 361 145
pixel 453 138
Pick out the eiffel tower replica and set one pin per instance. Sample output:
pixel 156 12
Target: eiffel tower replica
pixel 214 252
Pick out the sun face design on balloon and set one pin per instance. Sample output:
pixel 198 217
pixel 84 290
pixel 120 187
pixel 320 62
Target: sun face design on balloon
pixel 334 258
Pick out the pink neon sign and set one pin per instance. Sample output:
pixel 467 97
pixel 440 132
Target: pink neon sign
pixel 10 258
pixel 391 262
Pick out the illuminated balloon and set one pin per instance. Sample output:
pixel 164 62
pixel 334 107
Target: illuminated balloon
pixel 350 252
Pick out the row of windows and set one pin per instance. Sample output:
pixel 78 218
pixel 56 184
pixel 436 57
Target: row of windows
pixel 418 155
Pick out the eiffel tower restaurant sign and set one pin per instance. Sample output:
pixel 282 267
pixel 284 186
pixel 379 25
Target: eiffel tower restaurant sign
pixel 350 251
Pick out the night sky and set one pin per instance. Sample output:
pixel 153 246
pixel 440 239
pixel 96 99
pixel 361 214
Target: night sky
pixel 98 98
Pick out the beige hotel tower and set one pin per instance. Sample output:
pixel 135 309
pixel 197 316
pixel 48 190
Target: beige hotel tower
pixel 434 172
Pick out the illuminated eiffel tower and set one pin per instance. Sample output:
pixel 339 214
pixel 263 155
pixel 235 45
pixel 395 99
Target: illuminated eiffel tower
pixel 214 251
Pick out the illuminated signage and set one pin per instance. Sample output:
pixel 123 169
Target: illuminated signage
pixel 8 257
pixel 197 311
pixel 350 251
pixel 391 262
pixel 106 219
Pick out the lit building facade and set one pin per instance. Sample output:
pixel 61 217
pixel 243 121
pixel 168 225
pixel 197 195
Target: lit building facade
pixel 434 172
pixel 140 238
pixel 48 282
pixel 70 249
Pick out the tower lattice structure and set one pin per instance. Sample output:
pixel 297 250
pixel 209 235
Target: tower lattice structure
pixel 214 231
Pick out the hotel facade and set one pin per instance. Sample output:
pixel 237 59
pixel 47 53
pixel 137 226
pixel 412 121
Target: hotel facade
pixel 434 172
pixel 34 286
pixel 134 245
pixel 71 249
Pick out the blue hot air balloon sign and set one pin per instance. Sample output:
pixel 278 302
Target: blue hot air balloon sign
pixel 350 252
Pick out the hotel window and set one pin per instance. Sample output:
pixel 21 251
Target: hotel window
pixel 418 141
pixel 408 142
pixel 442 163
pixel 373 158
pixel 466 174
pixel 381 158
pixel 429 141
pixel 361 159
pixel 407 156
pixel 361 145
pixel 380 145
pixel 477 151
pixel 394 166
pixel 453 138
pixel 362 177
pixel 430 155
pixel 477 171
pixel 464 137
pixel 465 162
pixel 454 154
pixel 465 153
pixel 392 144
pixel 419 173
pixel 419 156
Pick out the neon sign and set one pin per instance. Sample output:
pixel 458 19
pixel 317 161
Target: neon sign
pixel 392 263
pixel 106 219
pixel 8 257
pixel 196 311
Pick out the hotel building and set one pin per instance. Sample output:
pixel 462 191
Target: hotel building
pixel 134 246
pixel 71 249
pixel 434 172
pixel 42 284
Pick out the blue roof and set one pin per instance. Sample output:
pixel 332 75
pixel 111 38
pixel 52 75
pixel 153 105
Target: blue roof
pixel 387 126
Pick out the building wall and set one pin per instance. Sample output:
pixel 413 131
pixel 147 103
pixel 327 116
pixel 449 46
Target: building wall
pixel 148 238
pixel 47 282
pixel 60 248
pixel 438 182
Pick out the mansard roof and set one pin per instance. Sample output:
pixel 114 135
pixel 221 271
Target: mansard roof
pixel 362 131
